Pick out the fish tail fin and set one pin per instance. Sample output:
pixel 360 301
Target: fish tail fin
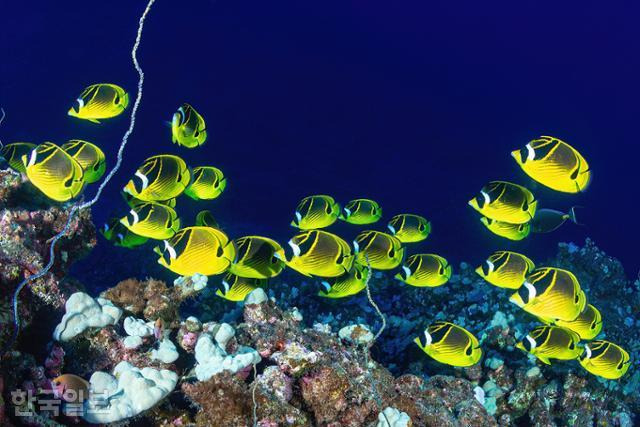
pixel 572 215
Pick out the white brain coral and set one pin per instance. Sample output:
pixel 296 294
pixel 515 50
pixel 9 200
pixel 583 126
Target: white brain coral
pixel 127 393
pixel 213 358
pixel 84 312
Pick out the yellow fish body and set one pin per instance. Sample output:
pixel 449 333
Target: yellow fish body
pixel 425 270
pixel 202 250
pixel 587 325
pixel 409 228
pixel 205 219
pixel 350 283
pixel 13 153
pixel 90 157
pixel 159 178
pixel 187 127
pixel 257 258
pixel 506 202
pixel 514 232
pixel 380 250
pixel 319 253
pixel 100 101
pixel 553 293
pixel 450 344
pixel 361 211
pixel 605 359
pixel 120 235
pixel 506 269
pixel 315 212
pixel 152 220
pixel 54 172
pixel 237 288
pixel 551 342
pixel 207 183
pixel 555 164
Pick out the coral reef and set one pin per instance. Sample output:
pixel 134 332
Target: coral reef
pixel 176 355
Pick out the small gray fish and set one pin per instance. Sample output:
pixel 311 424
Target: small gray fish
pixel 548 220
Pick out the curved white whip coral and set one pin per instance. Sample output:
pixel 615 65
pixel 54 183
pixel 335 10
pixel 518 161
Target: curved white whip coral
pixel 76 208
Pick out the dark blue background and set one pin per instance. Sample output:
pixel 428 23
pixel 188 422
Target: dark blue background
pixel 415 105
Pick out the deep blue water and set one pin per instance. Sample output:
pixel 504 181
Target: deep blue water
pixel 414 105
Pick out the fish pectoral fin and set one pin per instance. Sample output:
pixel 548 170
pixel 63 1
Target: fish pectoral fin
pixel 544 360
pixel 94 121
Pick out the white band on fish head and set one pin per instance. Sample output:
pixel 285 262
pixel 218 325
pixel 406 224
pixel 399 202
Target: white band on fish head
pixel 295 248
pixel 80 104
pixel 226 286
pixel 135 216
pixel 298 216
pixel 393 230
pixel 347 211
pixel 532 342
pixel 326 285
pixel 356 247
pixel 143 179
pixel 531 153
pixel 170 249
pixel 486 197
pixel 588 351
pixel 532 291
pixel 427 337
pixel 407 271
pixel 491 266
pixel 120 237
pixel 32 157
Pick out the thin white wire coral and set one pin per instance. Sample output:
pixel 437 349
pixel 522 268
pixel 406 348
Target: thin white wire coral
pixel 74 210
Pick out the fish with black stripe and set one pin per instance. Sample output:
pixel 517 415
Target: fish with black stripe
pixel 207 183
pixel 159 178
pixel 551 342
pixel 550 292
pixel 315 212
pixel 100 101
pixel 348 284
pixel 319 253
pixel 188 128
pixel 90 157
pixel 605 359
pixel 555 164
pixel 197 250
pixel 506 202
pixel 361 211
pixel 152 220
pixel 425 270
pixel 380 250
pixel 506 269
pixel 54 172
pixel 257 257
pixel 450 344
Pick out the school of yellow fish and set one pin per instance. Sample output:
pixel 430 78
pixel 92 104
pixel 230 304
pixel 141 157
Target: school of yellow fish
pixel 508 210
